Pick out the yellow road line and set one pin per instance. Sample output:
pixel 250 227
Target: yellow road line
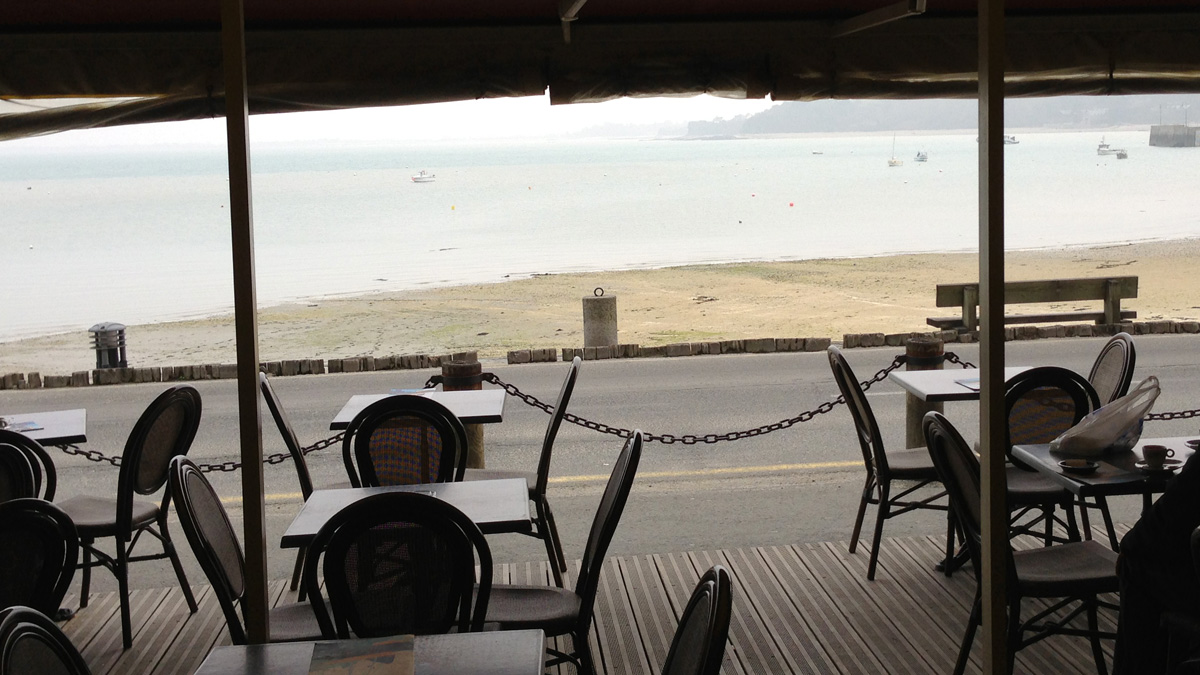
pixel 699 473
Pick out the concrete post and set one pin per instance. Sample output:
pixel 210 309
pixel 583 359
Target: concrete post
pixel 923 353
pixel 600 320
pixel 465 376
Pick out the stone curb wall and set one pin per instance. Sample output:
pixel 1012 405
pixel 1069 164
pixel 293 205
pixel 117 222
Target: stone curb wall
pixel 219 371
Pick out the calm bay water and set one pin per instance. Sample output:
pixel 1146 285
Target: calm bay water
pixel 142 235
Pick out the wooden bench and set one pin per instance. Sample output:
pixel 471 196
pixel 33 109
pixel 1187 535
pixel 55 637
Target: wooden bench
pixel 1109 289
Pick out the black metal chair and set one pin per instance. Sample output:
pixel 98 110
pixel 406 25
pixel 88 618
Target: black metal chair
pixel 37 572
pixel 1075 572
pixel 164 430
pixel 404 440
pixel 45 477
pixel 399 562
pixel 538 481
pixel 1112 372
pixel 292 443
pixel 911 466
pixel 698 647
pixel 32 643
pixel 1040 404
pixel 17 477
pixel 215 544
pixel 561 611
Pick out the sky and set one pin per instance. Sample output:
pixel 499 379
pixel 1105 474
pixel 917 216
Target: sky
pixel 528 117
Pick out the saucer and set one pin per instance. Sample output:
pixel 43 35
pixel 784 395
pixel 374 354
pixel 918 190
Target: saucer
pixel 1169 466
pixel 1080 466
pixel 1193 444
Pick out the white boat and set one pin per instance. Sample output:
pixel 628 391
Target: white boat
pixel 1011 140
pixel 422 177
pixel 1121 154
pixel 922 156
pixel 1105 149
pixel 893 161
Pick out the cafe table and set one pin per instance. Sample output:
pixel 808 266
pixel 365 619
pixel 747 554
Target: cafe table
pixel 54 427
pixel 500 505
pixel 513 652
pixel 478 406
pixel 1116 473
pixel 933 387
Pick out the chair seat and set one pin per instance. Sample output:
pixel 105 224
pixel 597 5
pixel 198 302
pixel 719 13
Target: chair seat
pixel 1031 487
pixel 96 517
pixel 554 610
pixel 1078 568
pixel 911 464
pixel 294 622
pixel 500 474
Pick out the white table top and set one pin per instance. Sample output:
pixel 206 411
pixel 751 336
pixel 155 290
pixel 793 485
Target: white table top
pixel 951 384
pixel 481 406
pixel 58 427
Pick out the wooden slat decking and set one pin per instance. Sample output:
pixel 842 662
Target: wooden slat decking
pixel 805 608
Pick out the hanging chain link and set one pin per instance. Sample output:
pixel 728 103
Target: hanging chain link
pixel 1166 416
pixel 953 358
pixel 277 458
pixel 692 439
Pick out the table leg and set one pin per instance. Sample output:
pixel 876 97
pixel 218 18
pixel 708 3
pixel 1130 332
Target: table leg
pixel 914 435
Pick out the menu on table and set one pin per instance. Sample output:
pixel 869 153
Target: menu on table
pixel 379 656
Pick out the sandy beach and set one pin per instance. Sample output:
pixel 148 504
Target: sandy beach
pixel 816 298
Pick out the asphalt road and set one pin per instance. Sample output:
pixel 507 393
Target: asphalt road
pixel 795 485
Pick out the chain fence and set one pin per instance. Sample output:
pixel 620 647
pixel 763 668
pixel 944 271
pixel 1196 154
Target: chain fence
pixel 665 439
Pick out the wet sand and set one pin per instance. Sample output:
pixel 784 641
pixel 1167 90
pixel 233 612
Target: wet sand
pixel 816 298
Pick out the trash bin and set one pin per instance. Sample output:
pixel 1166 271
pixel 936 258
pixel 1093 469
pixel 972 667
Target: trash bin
pixel 108 339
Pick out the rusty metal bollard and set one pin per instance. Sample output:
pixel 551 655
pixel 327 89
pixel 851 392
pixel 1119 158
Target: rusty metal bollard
pixel 922 353
pixel 467 376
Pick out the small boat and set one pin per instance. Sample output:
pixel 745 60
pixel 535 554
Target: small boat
pixel 1121 154
pixel 893 161
pixel 1105 149
pixel 1011 140
pixel 422 177
pixel 922 156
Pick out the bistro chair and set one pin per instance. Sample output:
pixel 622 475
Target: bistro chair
pixel 164 430
pixel 698 647
pixel 17 477
pixel 1040 404
pixel 1075 572
pixel 1112 373
pixel 404 440
pixel 31 643
pixel 45 477
pixel 293 445
pixel 38 572
pixel 215 544
pixel 397 563
pixel 911 467
pixel 561 611
pixel 545 529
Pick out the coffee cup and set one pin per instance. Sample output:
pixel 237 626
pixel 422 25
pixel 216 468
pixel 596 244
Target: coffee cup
pixel 1156 455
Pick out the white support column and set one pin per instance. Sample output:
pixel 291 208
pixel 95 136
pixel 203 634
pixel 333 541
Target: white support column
pixel 245 309
pixel 992 420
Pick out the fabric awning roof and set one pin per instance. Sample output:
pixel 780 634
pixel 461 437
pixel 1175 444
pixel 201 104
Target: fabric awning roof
pixel 143 61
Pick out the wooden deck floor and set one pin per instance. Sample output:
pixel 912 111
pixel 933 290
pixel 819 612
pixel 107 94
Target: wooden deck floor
pixel 806 608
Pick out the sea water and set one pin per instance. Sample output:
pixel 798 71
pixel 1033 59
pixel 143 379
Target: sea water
pixel 138 235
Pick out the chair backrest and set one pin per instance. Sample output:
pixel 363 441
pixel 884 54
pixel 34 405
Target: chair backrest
pixel 17 478
pixel 698 647
pixel 958 469
pixel 39 553
pixel 866 428
pixel 166 429
pixel 397 563
pixel 556 418
pixel 45 476
pixel 31 643
pixel 289 436
pixel 604 525
pixel 212 538
pixel 1043 402
pixel 1112 372
pixel 406 439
